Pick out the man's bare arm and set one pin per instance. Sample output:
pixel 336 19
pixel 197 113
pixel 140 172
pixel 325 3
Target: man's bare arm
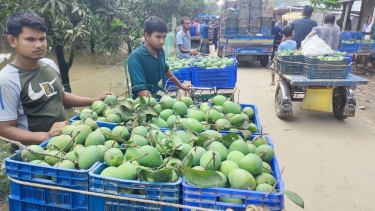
pixel 183 50
pixel 72 100
pixel 144 93
pixel 9 130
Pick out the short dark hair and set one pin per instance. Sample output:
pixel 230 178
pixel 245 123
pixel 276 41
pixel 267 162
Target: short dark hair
pixel 25 18
pixel 287 31
pixel 183 19
pixel 307 10
pixel 206 21
pixel 154 23
pixel 329 18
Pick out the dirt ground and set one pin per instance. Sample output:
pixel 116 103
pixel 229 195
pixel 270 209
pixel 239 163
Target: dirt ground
pixel 327 162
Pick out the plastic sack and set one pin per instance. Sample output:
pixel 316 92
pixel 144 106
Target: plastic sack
pixel 318 99
pixel 314 46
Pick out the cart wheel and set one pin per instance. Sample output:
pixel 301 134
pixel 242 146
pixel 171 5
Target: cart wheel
pixel 339 101
pixel 283 107
pixel 264 61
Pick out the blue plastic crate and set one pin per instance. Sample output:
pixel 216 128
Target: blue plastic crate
pixel 347 35
pixel 350 62
pixel 348 47
pixel 214 77
pixel 99 204
pixel 365 48
pixel 160 191
pixel 284 65
pixel 314 68
pixel 208 197
pixel 16 204
pixel 359 35
pixel 182 75
pixel 68 178
pixel 100 124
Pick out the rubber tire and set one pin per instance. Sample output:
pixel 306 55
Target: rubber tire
pixel 338 103
pixel 264 61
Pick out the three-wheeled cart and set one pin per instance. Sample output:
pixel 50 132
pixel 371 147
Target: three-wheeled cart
pixel 291 87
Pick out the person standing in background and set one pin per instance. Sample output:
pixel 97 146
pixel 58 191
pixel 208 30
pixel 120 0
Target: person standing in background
pixel 215 34
pixel 302 27
pixel 367 23
pixel 276 31
pixel 183 44
pixel 328 32
pixel 204 47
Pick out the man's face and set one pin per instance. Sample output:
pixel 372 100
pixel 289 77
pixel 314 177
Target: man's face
pixel 156 40
pixel 186 25
pixel 216 21
pixel 31 43
pixel 369 19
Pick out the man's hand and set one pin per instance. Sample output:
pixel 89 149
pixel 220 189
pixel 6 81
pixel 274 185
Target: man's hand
pixel 185 86
pixel 194 52
pixel 56 128
pixel 103 95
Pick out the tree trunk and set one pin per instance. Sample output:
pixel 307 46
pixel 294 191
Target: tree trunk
pixel 92 45
pixel 367 9
pixel 64 69
pixel 340 21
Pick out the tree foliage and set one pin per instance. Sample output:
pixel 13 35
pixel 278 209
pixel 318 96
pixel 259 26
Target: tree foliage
pixel 328 4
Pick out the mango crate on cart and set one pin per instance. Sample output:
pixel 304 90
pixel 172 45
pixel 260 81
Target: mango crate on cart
pixel 215 77
pixel 158 191
pixel 209 197
pixel 25 197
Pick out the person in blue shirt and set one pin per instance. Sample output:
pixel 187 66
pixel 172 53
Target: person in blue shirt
pixel 183 44
pixel 287 44
pixel 204 47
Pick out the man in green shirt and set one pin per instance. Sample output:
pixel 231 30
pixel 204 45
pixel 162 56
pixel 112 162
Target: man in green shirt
pixel 31 93
pixel 147 64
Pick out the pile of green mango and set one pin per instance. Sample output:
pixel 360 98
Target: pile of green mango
pixel 213 62
pixel 289 53
pixel 176 64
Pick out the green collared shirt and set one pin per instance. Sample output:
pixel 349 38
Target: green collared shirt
pixel 146 71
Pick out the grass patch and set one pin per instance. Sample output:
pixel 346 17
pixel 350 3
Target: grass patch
pixel 4 181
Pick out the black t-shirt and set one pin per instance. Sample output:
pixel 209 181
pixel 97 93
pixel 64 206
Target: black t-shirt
pixel 277 32
pixel 302 27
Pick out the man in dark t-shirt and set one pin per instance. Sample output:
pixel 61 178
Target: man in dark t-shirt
pixel 302 27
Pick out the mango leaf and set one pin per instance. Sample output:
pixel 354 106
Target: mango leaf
pixel 118 103
pixel 113 137
pixel 202 138
pixel 142 100
pixel 144 174
pixel 164 175
pixel 229 138
pixel 201 179
pixel 294 198
pixel 246 134
pixel 123 110
pixel 147 110
pixel 188 160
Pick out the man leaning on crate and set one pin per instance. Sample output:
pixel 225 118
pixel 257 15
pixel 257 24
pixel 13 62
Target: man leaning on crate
pixel 31 93
pixel 146 64
pixel 183 43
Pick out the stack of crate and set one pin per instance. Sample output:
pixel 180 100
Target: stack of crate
pixel 255 16
pixel 267 14
pixel 229 17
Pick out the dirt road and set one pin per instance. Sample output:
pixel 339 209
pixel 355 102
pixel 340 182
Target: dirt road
pixel 328 162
